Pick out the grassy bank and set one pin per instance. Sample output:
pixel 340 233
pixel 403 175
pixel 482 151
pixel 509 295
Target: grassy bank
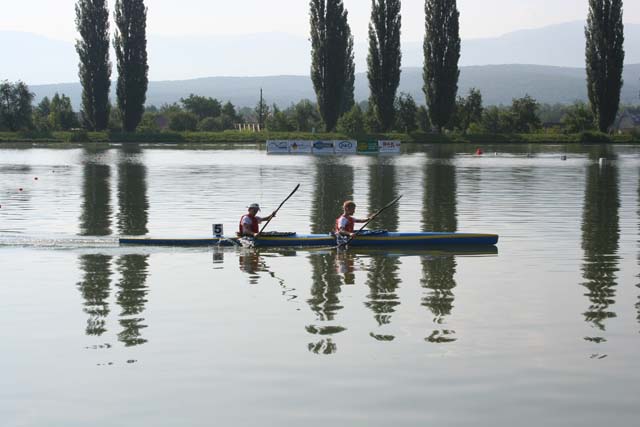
pixel 260 137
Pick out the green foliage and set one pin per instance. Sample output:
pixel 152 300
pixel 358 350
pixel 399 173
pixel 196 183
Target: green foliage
pixel 115 120
pixel 229 110
pixel 61 115
pixel 183 121
pixel 15 106
pixel 407 113
pixel 130 43
pixel 92 22
pixel 332 63
pixel 590 137
pixel 279 121
pixel 149 123
pixel 371 122
pixel 578 118
pixel 202 106
pixel 352 122
pixel 262 111
pixel 605 59
pixel 422 116
pixel 305 116
pixel 524 118
pixel 441 56
pixel 384 59
pixel 209 124
pixel 468 111
pixel 77 136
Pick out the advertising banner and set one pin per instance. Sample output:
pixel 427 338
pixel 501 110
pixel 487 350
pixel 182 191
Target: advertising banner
pixel 345 147
pixel 323 147
pixel 389 147
pixel 368 147
pixel 300 147
pixel 277 147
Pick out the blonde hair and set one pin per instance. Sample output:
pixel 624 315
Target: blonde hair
pixel 348 203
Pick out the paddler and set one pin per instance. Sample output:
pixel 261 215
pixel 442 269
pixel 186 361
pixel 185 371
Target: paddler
pixel 345 224
pixel 249 223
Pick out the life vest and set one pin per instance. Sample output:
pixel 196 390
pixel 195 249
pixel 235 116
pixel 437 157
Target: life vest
pixel 350 225
pixel 255 225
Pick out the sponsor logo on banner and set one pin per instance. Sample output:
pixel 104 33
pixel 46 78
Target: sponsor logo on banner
pixel 392 147
pixel 323 147
pixel 367 147
pixel 300 147
pixel 277 147
pixel 345 147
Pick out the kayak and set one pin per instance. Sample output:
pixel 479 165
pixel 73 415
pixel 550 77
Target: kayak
pixel 368 239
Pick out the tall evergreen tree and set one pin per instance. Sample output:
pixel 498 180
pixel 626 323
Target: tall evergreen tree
pixel 92 22
pixel 605 59
pixel 131 52
pixel 441 55
pixel 384 59
pixel 332 63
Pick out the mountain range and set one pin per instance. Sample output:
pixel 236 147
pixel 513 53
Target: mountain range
pixel 499 84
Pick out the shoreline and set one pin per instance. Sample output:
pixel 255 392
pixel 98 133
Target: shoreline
pixel 235 137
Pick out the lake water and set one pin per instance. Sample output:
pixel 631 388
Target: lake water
pixel 542 330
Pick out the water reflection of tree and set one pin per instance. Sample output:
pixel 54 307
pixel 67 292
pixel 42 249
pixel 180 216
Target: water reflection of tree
pixel 132 192
pixel 95 219
pixel 382 190
pixel 95 290
pixel 131 296
pixel 324 301
pixel 439 214
pixel 334 185
pixel 600 238
pixel 383 282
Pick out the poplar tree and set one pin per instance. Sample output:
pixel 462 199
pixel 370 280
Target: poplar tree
pixel 92 22
pixel 604 59
pixel 332 63
pixel 441 55
pixel 384 59
pixel 130 43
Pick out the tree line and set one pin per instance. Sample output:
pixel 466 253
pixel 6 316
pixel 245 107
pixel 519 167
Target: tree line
pixel 332 76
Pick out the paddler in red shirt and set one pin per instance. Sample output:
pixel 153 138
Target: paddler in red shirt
pixel 345 224
pixel 249 222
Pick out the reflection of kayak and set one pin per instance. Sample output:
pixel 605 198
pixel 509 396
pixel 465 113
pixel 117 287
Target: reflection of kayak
pixel 371 239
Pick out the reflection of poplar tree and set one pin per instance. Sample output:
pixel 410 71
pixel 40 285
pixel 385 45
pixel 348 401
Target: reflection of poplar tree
pixel 132 193
pixel 95 219
pixel 95 291
pixel 334 183
pixel 324 301
pixel 600 236
pixel 439 214
pixel 382 190
pixel 383 283
pixel 131 297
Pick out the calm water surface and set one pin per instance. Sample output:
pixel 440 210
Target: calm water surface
pixel 542 330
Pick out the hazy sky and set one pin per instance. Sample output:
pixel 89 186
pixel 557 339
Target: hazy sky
pixel 479 18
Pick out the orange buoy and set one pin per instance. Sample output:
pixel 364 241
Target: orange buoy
pixel 479 152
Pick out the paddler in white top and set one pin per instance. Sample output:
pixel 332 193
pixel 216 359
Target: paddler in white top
pixel 249 222
pixel 345 224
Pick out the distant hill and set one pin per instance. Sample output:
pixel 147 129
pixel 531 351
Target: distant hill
pixel 37 60
pixel 499 84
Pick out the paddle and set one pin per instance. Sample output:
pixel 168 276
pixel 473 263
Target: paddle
pixel 371 218
pixel 276 211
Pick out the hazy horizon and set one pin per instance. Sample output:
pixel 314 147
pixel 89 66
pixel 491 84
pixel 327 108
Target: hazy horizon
pixel 486 19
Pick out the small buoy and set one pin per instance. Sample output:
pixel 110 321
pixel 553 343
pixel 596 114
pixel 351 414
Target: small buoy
pixel 36 178
pixel 563 158
pixel 19 189
pixel 479 152
pixel 602 161
pixel 495 154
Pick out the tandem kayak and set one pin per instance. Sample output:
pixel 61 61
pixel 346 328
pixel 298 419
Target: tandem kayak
pixel 369 239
